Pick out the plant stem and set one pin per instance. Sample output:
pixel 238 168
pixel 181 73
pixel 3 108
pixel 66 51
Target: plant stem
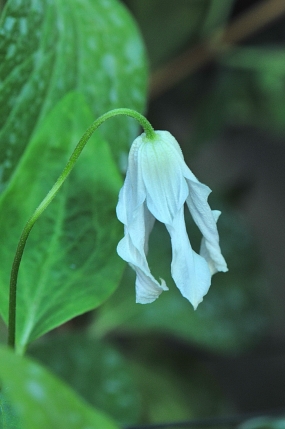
pixel 150 134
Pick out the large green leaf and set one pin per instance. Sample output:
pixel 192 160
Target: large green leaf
pixel 50 47
pixel 70 263
pixel 40 400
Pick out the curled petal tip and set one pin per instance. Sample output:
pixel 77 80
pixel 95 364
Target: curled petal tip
pixel 146 295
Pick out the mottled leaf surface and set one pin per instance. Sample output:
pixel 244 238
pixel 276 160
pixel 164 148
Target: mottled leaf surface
pixel 48 48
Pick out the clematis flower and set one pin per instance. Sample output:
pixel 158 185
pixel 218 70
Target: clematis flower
pixel 157 184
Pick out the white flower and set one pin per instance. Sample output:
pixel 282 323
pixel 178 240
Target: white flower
pixel 157 184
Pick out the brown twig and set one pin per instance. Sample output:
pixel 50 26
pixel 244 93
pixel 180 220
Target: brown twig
pixel 189 61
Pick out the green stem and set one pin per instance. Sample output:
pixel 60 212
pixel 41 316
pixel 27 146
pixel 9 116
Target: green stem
pixel 150 134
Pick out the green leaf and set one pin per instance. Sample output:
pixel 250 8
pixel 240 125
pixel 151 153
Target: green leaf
pixel 48 48
pixel 232 315
pixel 95 370
pixel 70 263
pixel 40 400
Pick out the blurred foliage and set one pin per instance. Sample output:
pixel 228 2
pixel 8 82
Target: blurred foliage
pixel 135 387
pixel 166 29
pixel 263 423
pixel 257 98
pixel 174 384
pixel 39 399
pixel 243 85
pixel 246 89
pixel 95 370
pixel 169 396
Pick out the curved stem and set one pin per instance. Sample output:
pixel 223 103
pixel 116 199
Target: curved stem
pixel 150 134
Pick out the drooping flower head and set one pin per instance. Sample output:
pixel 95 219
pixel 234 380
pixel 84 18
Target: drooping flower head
pixel 157 184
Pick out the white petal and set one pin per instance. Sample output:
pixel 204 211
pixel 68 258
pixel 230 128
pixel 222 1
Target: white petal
pixel 149 221
pixel 206 254
pixel 165 185
pixel 206 222
pixel 132 249
pixel 147 288
pixel 140 228
pixel 189 270
pixel 133 193
pixel 125 194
